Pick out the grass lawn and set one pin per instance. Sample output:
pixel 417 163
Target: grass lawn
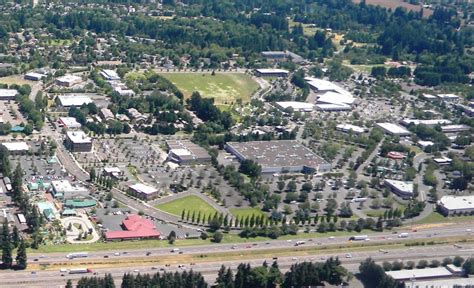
pixel 244 212
pixel 9 80
pixel 225 88
pixel 189 203
pixel 374 213
pixel 435 217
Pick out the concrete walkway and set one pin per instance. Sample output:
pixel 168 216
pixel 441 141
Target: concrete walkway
pixel 71 236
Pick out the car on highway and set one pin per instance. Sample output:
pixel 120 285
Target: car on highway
pixel 117 253
pixel 148 253
pixel 136 270
pixel 174 250
pixel 331 238
pixel 348 255
pixel 234 246
pixel 154 268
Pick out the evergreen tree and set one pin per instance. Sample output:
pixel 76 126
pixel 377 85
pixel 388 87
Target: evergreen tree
pixel 183 214
pixel 7 258
pixel 21 258
pixel 15 236
pixel 92 175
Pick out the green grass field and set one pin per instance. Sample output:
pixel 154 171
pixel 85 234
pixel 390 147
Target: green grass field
pixel 435 217
pixel 244 212
pixel 188 203
pixel 225 88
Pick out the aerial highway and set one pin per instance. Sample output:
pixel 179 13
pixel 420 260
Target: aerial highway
pixel 57 278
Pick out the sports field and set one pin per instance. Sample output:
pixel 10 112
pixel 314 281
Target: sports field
pixel 225 88
pixel 188 203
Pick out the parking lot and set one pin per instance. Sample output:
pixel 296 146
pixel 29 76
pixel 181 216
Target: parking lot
pixel 9 112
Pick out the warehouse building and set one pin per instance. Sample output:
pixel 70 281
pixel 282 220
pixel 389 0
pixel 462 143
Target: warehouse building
pixel 8 94
pixel 68 80
pixel 296 106
pixel 401 188
pixel 271 72
pixel 78 141
pixel 430 122
pixel 143 191
pixel 279 156
pixel 421 274
pixel 73 100
pixel 393 129
pixel 333 107
pixel 63 189
pixel 448 97
pixel 282 56
pixel 16 147
pixel 348 128
pixel 106 114
pixel 185 152
pixel 452 205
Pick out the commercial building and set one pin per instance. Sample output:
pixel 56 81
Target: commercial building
pixel 122 89
pixel 451 205
pixel 136 116
pixel 73 100
pixel 393 129
pixel 63 189
pixel 48 210
pixel 395 155
pixel 441 283
pixel 69 123
pixel 431 122
pixel 420 274
pixel 33 76
pixel 401 188
pixel 16 147
pixel 333 107
pixel 443 160
pixel 349 128
pixel 468 110
pixel 282 56
pixel 113 172
pixel 295 106
pixel 78 141
pixel 271 72
pixel 68 80
pixel 323 86
pixel 106 114
pixel 429 97
pixel 285 156
pixel 185 152
pixel 8 94
pixel 425 144
pixel 455 128
pixel 109 75
pixel 143 191
pixel 448 97
pixel 134 228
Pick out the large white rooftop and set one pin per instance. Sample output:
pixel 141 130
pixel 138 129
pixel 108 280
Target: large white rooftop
pixel 403 186
pixel 392 128
pixel 350 127
pixel 419 273
pixel 70 79
pixel 142 188
pixel 74 100
pixel 335 98
pixel 78 137
pixel 70 122
pixel 8 93
pixel 430 122
pixel 16 146
pixel 271 71
pixel 325 86
pixel 297 106
pixel 110 74
pixel 457 202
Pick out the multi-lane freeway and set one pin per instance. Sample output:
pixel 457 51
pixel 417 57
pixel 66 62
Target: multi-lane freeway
pixel 56 278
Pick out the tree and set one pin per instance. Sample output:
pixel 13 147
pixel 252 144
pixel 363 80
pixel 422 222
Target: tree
pixel 372 275
pixel 172 237
pixel 469 266
pixel 21 258
pixel 92 175
pixel 69 284
pixel 7 258
pixel 217 237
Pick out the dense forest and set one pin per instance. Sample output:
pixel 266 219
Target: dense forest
pixel 219 29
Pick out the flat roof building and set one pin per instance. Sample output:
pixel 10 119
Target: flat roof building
pixel 78 141
pixel 442 283
pixel 350 128
pixel 419 274
pixel 430 122
pixel 393 129
pixel 69 123
pixel 428 97
pixel 271 72
pixel 68 80
pixel 333 107
pixel 73 100
pixel 63 189
pixel 451 205
pixel 185 152
pixel 455 128
pixel 279 156
pixel 143 191
pixel 33 76
pixel 424 144
pixel 401 188
pixel 8 94
pixel 113 172
pixel 448 97
pixel 295 105
pixel 16 147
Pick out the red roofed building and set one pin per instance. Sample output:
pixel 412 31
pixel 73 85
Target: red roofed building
pixel 395 155
pixel 135 227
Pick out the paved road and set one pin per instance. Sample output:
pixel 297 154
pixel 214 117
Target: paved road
pixel 53 278
pixel 382 238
